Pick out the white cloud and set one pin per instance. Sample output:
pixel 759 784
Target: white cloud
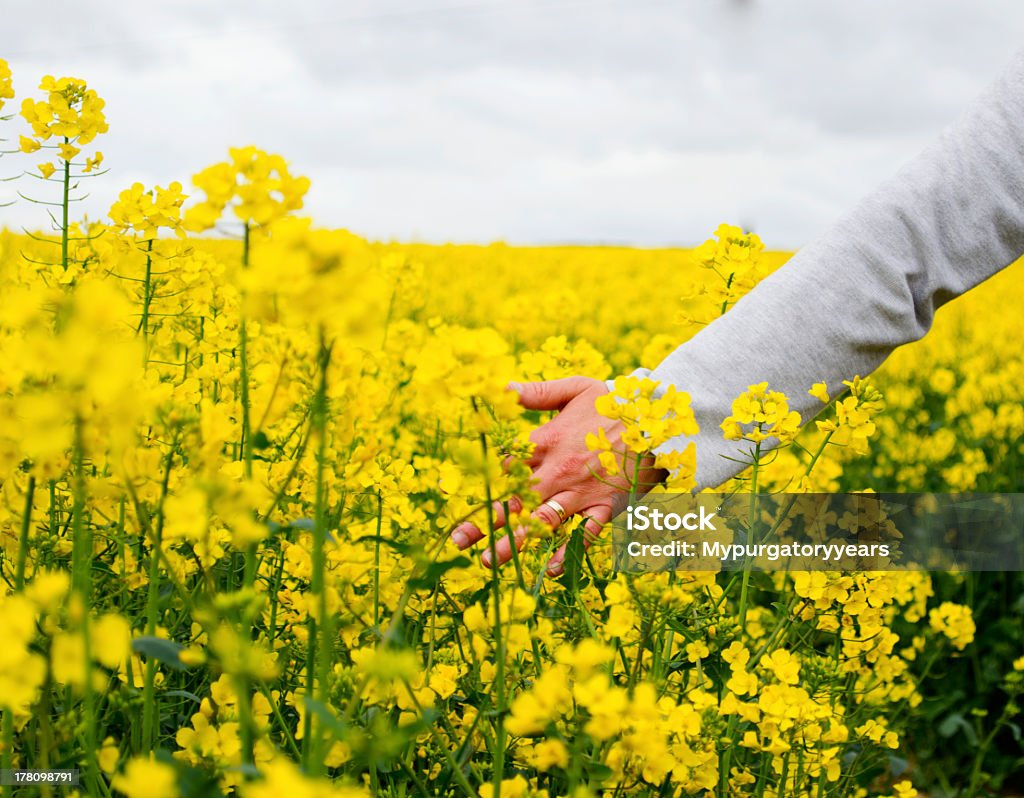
pixel 547 120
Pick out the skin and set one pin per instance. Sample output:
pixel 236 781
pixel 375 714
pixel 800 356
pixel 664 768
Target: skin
pixel 563 469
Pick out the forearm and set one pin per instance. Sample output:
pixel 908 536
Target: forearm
pixel 951 218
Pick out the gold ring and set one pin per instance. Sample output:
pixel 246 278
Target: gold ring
pixel 559 509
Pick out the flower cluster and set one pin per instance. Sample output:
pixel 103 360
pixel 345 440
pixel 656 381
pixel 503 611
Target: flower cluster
pixel 854 424
pixel 732 263
pixel 955 621
pixel 759 414
pixel 143 212
pixel 650 416
pixel 6 83
pixel 72 113
pixel 258 186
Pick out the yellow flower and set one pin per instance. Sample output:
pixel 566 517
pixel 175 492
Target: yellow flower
pixel 70 111
pixel 820 392
pixel 387 665
pixel 516 787
pixel 742 682
pixel 588 655
pixel 67 658
pixel 110 638
pixel 681 467
pixel 6 84
pixel 108 755
pixel 734 264
pixel 955 621
pixel 784 665
pixel 652 414
pixel 736 654
pixel 759 414
pixel 697 650
pixel 279 777
pixel 47 170
pixel 258 186
pixel 21 670
pixel 607 457
pixel 904 789
pixel 48 589
pixel 854 423
pixel 143 211
pixel 549 754
pixel 27 145
pixel 877 731
pixel 147 778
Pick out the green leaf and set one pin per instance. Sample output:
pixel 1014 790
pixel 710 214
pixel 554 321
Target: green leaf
pixel 401 548
pixel 572 579
pixel 183 694
pixel 955 722
pixel 337 727
pixel 166 652
pixel 197 783
pixel 432 574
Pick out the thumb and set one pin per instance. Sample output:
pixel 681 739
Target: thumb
pixel 549 395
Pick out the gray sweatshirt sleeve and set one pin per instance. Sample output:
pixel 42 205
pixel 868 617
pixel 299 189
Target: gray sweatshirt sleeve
pixel 949 219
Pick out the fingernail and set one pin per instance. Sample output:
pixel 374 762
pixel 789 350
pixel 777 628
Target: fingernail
pixel 514 386
pixel 460 538
pixel 555 569
pixel 485 558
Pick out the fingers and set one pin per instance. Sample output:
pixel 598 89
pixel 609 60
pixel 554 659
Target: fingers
pixel 550 395
pixel 468 533
pixel 548 511
pixel 546 514
pixel 503 548
pixel 597 517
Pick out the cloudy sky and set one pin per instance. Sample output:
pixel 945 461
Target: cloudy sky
pixel 632 121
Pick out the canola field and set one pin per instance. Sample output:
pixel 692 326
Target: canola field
pixel 233 446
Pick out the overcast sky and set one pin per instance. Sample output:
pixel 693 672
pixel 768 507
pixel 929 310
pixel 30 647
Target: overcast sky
pixel 633 121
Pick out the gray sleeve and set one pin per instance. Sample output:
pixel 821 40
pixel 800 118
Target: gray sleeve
pixel 949 219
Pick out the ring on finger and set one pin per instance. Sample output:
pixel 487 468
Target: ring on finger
pixel 559 509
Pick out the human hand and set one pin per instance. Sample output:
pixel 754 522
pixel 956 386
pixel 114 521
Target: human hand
pixel 567 475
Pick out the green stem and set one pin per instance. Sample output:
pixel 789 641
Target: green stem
pixel 982 751
pixel 149 713
pixel 499 647
pixel 243 355
pixel 81 579
pixel 246 724
pixel 26 525
pixel 725 302
pixel 249 577
pixel 147 298
pixel 46 742
pixel 81 541
pixel 376 565
pixel 747 562
pixel 323 638
pixel 65 202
